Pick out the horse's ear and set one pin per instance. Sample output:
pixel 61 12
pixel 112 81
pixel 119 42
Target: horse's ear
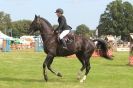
pixel 36 16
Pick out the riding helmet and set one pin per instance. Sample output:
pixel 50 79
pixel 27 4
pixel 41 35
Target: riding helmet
pixel 59 10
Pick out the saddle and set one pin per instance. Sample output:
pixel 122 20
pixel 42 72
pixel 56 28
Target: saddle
pixel 69 38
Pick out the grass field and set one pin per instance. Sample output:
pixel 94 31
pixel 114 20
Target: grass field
pixel 24 70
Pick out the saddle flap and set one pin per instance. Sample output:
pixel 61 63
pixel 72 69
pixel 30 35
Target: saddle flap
pixel 69 36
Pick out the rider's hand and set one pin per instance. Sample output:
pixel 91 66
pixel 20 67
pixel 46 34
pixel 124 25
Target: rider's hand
pixel 56 32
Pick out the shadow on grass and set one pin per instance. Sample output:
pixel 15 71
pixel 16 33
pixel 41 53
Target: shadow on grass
pixel 52 80
pixel 20 79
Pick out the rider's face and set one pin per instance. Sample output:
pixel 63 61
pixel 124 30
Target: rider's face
pixel 58 14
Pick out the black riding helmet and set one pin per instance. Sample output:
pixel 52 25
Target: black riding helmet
pixel 59 11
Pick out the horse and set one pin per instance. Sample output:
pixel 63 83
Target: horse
pixel 81 46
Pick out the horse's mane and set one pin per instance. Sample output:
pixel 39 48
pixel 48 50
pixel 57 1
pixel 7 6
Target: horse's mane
pixel 48 23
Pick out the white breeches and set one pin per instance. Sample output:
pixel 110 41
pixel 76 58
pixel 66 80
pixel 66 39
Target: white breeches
pixel 63 34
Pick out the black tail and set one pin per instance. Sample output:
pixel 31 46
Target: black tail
pixel 103 46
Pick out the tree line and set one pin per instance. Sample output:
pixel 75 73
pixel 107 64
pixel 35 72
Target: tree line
pixel 117 20
pixel 20 27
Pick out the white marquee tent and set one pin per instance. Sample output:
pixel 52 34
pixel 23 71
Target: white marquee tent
pixel 2 37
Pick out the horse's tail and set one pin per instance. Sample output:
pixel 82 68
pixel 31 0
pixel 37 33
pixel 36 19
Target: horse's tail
pixel 103 46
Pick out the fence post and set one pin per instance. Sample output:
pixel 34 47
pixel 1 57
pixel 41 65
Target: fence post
pixel 38 45
pixel 6 45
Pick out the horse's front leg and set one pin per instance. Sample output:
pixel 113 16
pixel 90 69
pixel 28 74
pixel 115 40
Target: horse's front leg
pixel 52 70
pixel 45 68
pixel 47 65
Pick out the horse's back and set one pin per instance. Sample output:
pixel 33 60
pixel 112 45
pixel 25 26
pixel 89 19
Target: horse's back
pixel 75 44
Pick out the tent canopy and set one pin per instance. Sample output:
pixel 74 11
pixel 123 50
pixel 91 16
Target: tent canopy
pixel 131 35
pixel 3 36
pixel 110 38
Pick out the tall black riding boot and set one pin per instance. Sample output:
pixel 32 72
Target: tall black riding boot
pixel 64 44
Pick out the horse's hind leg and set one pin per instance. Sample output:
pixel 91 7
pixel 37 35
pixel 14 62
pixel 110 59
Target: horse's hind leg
pixel 80 58
pixel 87 65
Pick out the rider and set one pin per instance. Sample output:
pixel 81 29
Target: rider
pixel 63 28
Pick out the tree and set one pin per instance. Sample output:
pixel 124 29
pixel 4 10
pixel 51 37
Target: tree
pixel 117 19
pixel 5 21
pixel 83 30
pixel 20 27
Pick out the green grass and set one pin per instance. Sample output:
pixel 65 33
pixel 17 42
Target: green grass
pixel 24 70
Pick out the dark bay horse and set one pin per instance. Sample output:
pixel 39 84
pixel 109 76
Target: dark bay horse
pixel 82 47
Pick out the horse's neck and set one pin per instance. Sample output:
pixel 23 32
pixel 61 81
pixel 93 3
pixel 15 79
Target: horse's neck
pixel 46 37
pixel 46 33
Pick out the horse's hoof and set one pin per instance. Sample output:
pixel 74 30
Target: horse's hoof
pixel 84 78
pixel 59 74
pixel 46 78
pixel 78 78
pixel 81 81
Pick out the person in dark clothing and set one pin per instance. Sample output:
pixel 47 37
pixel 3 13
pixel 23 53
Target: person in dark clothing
pixel 63 28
